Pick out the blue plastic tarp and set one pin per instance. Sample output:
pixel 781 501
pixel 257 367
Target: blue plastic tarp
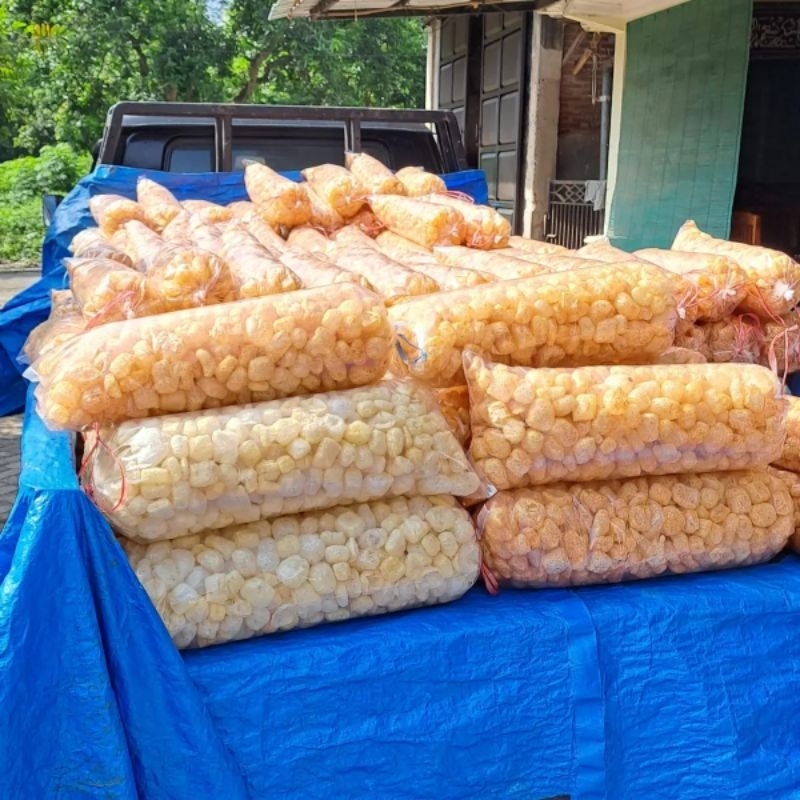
pixel 96 700
pixel 685 687
pixel 25 311
pixel 675 688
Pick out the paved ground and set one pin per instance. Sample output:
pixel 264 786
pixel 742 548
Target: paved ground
pixel 10 427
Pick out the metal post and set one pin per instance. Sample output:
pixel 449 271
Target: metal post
pixel 605 120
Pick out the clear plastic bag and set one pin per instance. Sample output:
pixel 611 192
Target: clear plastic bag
pixel 309 239
pixel 91 243
pixel 416 181
pixel 254 271
pixel 390 279
pixel 178 230
pixel 780 344
pixel 773 278
pixel 552 262
pixel 398 247
pixel 108 291
pixel 50 335
pixel 366 220
pixel 791 480
pixel 719 282
pixel 266 235
pixel 112 211
pixel 681 355
pixel 338 187
pixel 64 322
pixel 737 339
pixel 421 260
pixel 323 214
pixel 353 250
pixel 188 473
pixel 158 202
pixel 86 239
pixel 606 532
pixel 279 201
pixel 243 210
pixel 454 403
pixel 600 315
pixel 63 303
pixel 353 236
pixel 208 211
pixel 424 223
pixel 313 340
pixel 536 247
pixel 141 244
pixel 303 570
pixel 206 236
pixel 186 277
pixel 691 336
pixel 485 229
pixel 789 457
pixel 177 277
pixel 315 269
pixel 375 177
pixel 502 266
pixel 449 278
pixel 603 250
pixel 538 426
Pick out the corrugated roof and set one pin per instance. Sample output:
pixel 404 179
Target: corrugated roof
pixel 331 9
pixel 604 13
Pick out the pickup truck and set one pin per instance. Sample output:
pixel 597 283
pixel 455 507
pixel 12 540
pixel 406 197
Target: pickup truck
pixel 215 137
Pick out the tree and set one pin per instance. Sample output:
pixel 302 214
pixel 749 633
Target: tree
pixel 82 56
pixel 63 63
pixel 10 79
pixel 361 62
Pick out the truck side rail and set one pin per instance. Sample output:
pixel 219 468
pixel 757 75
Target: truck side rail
pixel 222 115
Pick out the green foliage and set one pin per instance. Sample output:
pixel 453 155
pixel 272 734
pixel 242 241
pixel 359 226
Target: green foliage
pixel 364 62
pixel 63 63
pixel 23 181
pixel 21 231
pixel 56 170
pixel 81 56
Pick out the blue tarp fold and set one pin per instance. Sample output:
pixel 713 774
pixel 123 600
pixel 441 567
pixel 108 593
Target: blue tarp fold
pixel 96 700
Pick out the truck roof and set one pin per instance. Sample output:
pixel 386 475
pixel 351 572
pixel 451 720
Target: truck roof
pixel 135 121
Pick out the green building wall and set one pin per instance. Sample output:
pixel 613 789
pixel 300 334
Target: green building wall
pixel 680 125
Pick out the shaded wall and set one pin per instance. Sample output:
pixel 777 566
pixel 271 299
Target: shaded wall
pixel 579 117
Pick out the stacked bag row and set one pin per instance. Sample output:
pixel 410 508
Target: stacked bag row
pixel 241 433
pixel 616 452
pixel 612 473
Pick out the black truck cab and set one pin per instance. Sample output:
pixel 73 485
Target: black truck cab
pixel 217 137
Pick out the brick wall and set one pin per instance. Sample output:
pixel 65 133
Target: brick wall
pixel 577 112
pixel 579 118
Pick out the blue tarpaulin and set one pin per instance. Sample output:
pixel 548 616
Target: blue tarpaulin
pixel 685 687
